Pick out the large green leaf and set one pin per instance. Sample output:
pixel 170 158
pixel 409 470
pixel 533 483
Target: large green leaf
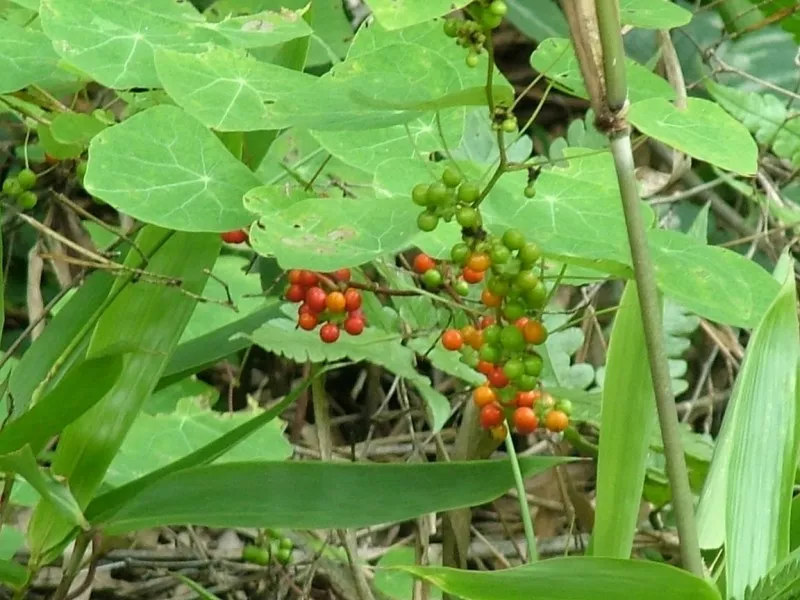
pixel 26 57
pixel 227 90
pixel 397 14
pixel 762 467
pixel 316 495
pixel 703 130
pixel 13 574
pixel 163 167
pixel 574 578
pixel 265 28
pixel 325 234
pixel 653 14
pixel 538 21
pixel 765 116
pixel 155 441
pixel 556 58
pixel 627 398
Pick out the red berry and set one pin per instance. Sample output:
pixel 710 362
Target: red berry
pixel 237 236
pixel 335 302
pixel 354 325
pixel 525 420
pixel 423 263
pixel 305 309
pixel 491 416
pixel 295 276
pixel 498 378
pixel 484 367
pixel 486 322
pixel 352 300
pixel 295 293
pixel 307 321
pixel 521 322
pixel 315 298
pixel 329 333
pixel 527 399
pixel 308 278
pixel 452 339
pixel 471 275
pixel 341 275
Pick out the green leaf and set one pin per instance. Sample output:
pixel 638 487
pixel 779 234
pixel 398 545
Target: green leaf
pixel 325 234
pixel 703 130
pixel 479 144
pixel 163 167
pixel 378 347
pixel 155 441
pixel 627 398
pixel 166 399
pixel 228 90
pixel 713 282
pixel 556 58
pixel 394 583
pixel 113 40
pixel 82 387
pixel 26 57
pixel 55 148
pixel 540 21
pixel 762 467
pixel 266 28
pixel 397 14
pixel 653 14
pixel 11 538
pixel 13 574
pixel 75 128
pixel 574 578
pixel 56 495
pixel 765 116
pixel 785 11
pixel 557 353
pixel 383 492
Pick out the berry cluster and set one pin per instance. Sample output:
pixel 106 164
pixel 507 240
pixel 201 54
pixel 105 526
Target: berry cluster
pixel 449 198
pixel 487 15
pixel 273 547
pixel 21 188
pixel 326 299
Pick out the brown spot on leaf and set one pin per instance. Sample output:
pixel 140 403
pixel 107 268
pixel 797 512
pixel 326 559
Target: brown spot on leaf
pixel 259 25
pixel 342 233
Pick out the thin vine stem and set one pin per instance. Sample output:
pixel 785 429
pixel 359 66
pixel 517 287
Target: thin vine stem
pixel 524 508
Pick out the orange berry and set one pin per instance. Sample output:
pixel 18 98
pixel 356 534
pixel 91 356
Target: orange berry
pixel 525 420
pixel 490 300
pixel 335 302
pixel 556 421
pixel 479 261
pixel 471 275
pixel 499 433
pixel 469 333
pixel 294 276
pixel 534 332
pixel 484 367
pixel 484 395
pixel 423 263
pixel 527 398
pixel 491 416
pixel 452 339
pixel 307 321
pixel 521 322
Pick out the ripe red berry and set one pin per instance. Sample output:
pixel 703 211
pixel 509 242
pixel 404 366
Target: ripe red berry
pixel 527 399
pixel 352 300
pixel 525 420
pixel 341 275
pixel 354 325
pixel 452 339
pixel 237 236
pixel 423 263
pixel 295 276
pixel 308 278
pixel 335 302
pixel 486 322
pixel 295 293
pixel 491 416
pixel 304 309
pixel 307 321
pixel 471 275
pixel 484 367
pixel 498 378
pixel 329 333
pixel 315 299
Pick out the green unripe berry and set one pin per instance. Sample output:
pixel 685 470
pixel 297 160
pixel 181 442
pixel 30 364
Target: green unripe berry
pixel 471 60
pixel 427 221
pixel 530 191
pixel 536 297
pixel 526 280
pixel 12 187
pixel 459 254
pixel 500 254
pixel 469 356
pixel 498 8
pixel 513 239
pixel 284 556
pixel 26 178
pixel 529 254
pixel 498 286
pixel 286 543
pixel 451 177
pixel 27 200
pixel 533 365
pixel 438 194
pixel 451 27
pixel 511 338
pixel 513 311
pixel 514 369
pixel 526 383
pixel 467 217
pixel 564 406
pixel 432 278
pixel 255 555
pixel 461 287
pixel 419 194
pixel 509 125
pixel 491 335
pixel 491 21
pixel 468 192
pixel 490 353
pixel 80 169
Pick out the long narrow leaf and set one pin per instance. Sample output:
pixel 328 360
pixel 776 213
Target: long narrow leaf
pixel 764 455
pixel 627 416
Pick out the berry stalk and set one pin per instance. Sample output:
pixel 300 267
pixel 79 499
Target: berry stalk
pixel 527 522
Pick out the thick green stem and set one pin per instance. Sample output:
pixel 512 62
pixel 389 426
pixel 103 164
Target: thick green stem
pixel 524 508
pixel 644 273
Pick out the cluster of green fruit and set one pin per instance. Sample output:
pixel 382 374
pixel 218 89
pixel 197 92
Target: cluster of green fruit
pixel 486 15
pixel 449 198
pixel 20 188
pixel 275 548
